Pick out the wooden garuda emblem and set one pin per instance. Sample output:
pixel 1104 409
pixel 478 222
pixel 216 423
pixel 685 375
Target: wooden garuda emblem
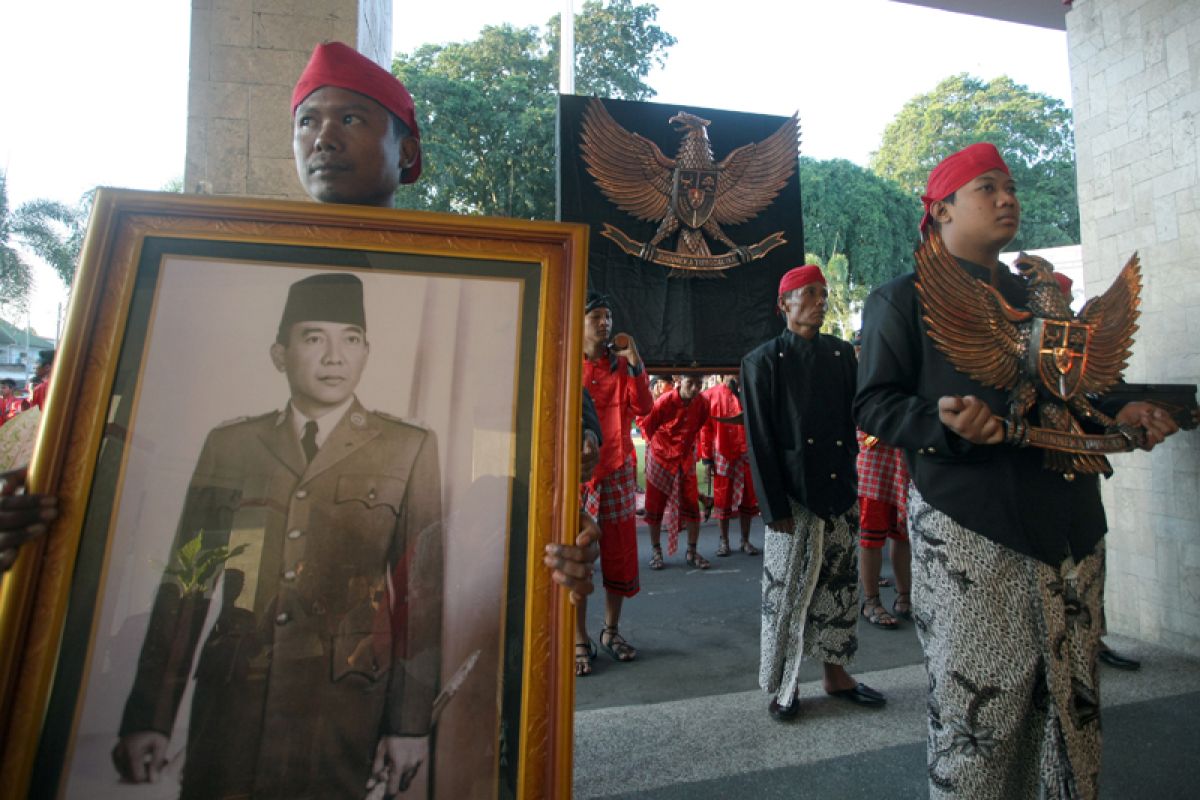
pixel 1049 359
pixel 691 194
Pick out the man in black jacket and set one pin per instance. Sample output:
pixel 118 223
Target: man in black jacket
pixel 798 389
pixel 1007 556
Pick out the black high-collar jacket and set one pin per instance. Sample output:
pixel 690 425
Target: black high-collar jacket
pixel 1000 492
pixel 799 427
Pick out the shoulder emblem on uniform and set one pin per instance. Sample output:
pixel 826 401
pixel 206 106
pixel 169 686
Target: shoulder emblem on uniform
pixel 239 420
pixel 393 418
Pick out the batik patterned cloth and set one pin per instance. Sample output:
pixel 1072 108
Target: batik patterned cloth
pixel 1010 650
pixel 671 498
pixel 809 597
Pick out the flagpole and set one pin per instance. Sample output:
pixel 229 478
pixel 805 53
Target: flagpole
pixel 566 55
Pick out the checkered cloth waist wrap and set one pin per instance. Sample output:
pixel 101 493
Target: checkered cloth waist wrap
pixel 670 483
pixel 882 472
pixel 735 470
pixel 614 496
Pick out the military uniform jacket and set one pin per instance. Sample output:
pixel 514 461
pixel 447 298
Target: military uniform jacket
pixel 329 635
pixel 797 396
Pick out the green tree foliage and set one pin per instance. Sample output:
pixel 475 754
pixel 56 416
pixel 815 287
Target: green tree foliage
pixel 1033 132
pixel 487 107
pixel 16 277
pixel 851 211
pixel 54 231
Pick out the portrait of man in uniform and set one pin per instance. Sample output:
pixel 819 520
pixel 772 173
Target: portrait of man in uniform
pixel 321 526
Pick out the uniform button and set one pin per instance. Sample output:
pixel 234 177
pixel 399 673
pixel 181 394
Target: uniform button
pixel 295 534
pixel 371 495
pixel 303 493
pixel 837 352
pixel 921 451
pixel 838 442
pixel 810 441
pixel 932 450
pixel 289 575
pixel 283 618
pixel 833 476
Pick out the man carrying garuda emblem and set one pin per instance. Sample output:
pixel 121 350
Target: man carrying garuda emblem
pixel 690 195
pixel 965 366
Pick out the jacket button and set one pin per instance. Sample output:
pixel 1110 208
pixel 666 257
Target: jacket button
pixel 838 442
pixel 833 476
pixel 283 618
pixel 371 495
pixel 931 450
pixel 810 441
pixel 289 575
pixel 303 493
pixel 295 534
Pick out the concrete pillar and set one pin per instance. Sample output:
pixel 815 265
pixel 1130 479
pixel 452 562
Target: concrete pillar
pixel 1135 74
pixel 245 58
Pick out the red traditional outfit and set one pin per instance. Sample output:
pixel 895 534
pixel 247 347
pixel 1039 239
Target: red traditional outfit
pixel 724 444
pixel 38 396
pixel 671 492
pixel 882 492
pixel 610 496
pixel 11 406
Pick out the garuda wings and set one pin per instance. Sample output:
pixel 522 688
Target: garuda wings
pixel 1045 356
pixel 691 194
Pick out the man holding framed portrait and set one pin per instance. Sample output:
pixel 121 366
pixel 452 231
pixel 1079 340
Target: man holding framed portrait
pixel 355 142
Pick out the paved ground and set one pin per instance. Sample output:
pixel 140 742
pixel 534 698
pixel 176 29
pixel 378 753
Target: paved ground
pixel 687 720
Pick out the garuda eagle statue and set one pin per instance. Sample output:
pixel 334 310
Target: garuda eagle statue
pixel 691 194
pixel 1047 357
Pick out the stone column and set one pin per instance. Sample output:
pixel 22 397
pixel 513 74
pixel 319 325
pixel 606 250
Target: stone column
pixel 245 58
pixel 1135 74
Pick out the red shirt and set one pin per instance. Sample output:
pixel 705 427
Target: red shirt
pixel 38 398
pixel 726 438
pixel 619 397
pixel 11 406
pixel 672 427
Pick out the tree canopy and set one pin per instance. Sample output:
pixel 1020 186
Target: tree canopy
pixel 486 107
pixel 1033 132
pixel 872 221
pixel 51 230
pixel 16 277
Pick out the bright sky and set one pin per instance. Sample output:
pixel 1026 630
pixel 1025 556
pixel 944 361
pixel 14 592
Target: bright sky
pixel 97 92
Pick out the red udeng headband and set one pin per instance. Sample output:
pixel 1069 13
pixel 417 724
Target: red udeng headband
pixel 956 170
pixel 800 276
pixel 337 64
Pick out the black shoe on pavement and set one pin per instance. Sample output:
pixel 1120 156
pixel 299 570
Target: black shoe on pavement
pixel 784 713
pixel 1118 661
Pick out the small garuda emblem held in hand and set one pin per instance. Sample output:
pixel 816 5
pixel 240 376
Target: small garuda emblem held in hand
pixel 690 194
pixel 1047 357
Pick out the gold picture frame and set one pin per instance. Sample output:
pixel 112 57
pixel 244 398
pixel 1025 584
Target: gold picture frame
pixel 176 293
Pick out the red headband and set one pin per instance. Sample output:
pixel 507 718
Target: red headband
pixel 800 277
pixel 337 64
pixel 956 170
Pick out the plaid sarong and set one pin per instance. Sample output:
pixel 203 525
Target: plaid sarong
pixel 882 472
pixel 614 496
pixel 669 483
pixel 736 471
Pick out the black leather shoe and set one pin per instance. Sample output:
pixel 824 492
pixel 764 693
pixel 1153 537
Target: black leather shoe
pixel 1115 659
pixel 861 695
pixel 784 713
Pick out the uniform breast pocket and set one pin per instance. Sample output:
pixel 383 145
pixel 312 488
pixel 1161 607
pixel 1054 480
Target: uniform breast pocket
pixel 371 491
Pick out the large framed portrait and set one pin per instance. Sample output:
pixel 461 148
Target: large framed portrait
pixel 308 457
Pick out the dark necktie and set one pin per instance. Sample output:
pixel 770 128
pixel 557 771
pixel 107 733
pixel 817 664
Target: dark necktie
pixel 309 440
